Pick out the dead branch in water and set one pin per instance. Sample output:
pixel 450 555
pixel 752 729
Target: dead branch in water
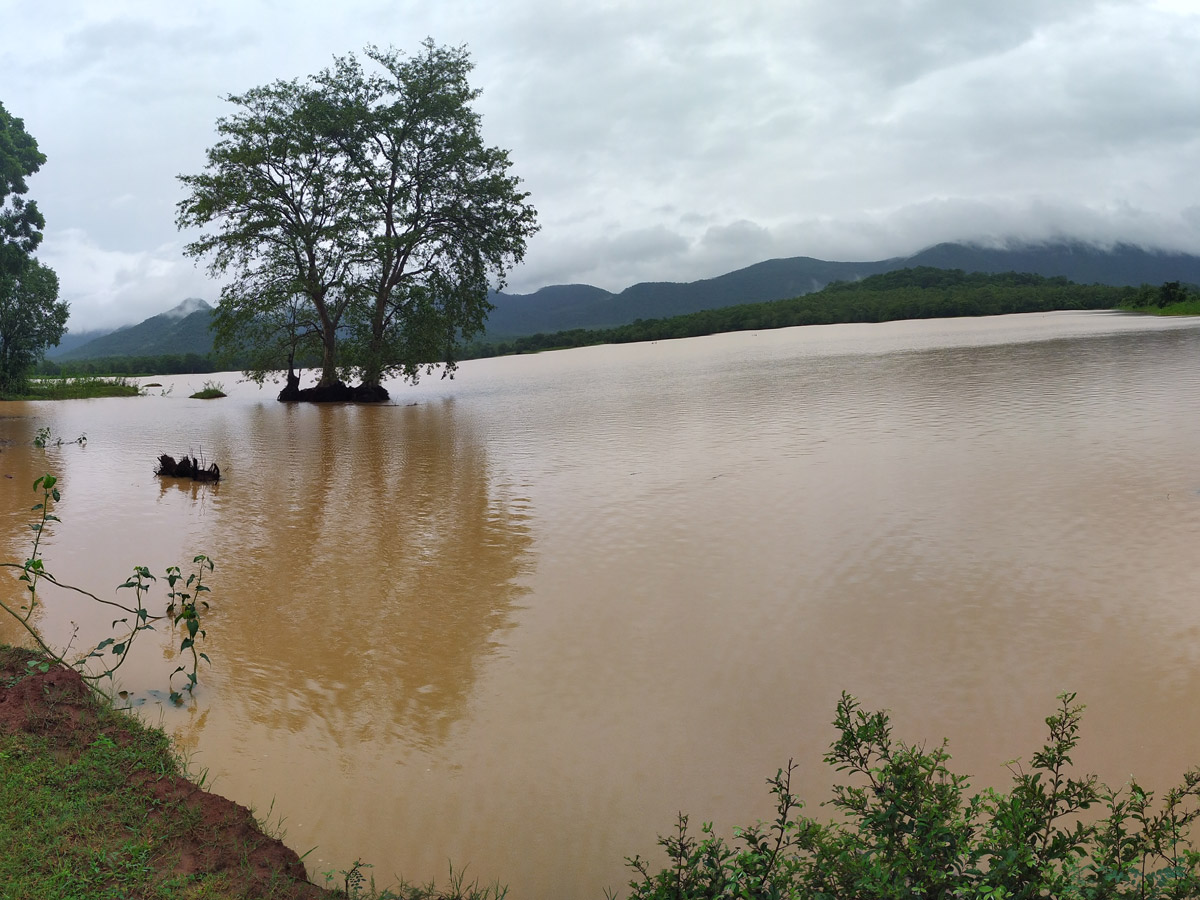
pixel 186 467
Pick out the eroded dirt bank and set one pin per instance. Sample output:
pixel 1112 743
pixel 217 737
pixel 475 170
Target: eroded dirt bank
pixel 190 837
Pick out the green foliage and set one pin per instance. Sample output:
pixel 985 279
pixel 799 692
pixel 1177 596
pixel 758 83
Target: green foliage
pixel 357 216
pixel 1172 298
pixel 164 364
pixel 355 885
pixel 80 388
pixel 907 829
pixel 73 388
pixel 167 333
pixel 31 316
pixel 443 217
pixel 83 819
pixel 273 194
pixel 187 598
pixel 103 660
pixel 45 437
pixel 211 391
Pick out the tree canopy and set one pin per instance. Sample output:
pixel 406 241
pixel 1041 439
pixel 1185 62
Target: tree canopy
pixel 358 214
pixel 31 316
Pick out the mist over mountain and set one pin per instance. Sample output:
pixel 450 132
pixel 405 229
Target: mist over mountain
pixel 181 329
pixel 73 339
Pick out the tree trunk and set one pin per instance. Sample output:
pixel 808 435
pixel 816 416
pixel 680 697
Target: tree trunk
pixel 372 370
pixel 328 360
pixel 373 366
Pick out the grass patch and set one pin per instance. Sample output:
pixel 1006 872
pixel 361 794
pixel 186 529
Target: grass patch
pixel 211 391
pixel 1186 308
pixel 84 387
pixel 94 805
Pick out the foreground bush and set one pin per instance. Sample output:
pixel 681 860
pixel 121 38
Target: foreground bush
pixel 909 830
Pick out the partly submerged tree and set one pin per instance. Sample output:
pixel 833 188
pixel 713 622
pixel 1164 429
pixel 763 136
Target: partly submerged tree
pixel 441 218
pixel 275 191
pixel 31 316
pixel 362 208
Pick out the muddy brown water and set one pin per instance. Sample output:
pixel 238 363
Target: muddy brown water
pixel 519 619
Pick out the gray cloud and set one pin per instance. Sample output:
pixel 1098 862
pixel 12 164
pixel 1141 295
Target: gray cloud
pixel 659 141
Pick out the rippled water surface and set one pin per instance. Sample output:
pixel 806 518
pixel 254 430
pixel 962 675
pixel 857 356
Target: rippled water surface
pixel 519 619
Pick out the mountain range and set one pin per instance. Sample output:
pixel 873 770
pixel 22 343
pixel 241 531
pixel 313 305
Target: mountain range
pixel 563 307
pixel 184 329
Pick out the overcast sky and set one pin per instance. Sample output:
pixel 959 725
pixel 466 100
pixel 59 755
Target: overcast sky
pixel 660 139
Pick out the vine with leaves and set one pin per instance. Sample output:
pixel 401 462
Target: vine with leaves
pixel 184 606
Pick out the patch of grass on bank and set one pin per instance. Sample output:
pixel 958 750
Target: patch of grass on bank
pixel 93 805
pixel 77 822
pixel 1189 307
pixel 1169 299
pixel 85 387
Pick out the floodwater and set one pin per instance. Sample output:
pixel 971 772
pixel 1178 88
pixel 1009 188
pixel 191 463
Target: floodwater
pixel 519 619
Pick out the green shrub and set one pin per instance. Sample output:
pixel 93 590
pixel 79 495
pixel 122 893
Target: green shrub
pixel 909 830
pixel 211 391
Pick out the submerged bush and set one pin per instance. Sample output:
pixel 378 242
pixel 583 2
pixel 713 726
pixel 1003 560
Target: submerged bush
pixel 211 391
pixel 909 830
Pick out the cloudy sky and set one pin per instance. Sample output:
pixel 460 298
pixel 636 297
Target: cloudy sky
pixel 660 139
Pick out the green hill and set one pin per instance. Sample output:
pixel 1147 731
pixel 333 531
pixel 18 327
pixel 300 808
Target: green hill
pixel 567 307
pixel 182 330
pixel 917 293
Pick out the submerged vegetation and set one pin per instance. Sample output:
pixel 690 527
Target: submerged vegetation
pixel 212 390
pixel 184 603
pixel 81 387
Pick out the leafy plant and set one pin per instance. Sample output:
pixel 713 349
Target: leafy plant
pixel 111 652
pixel 357 886
pixel 909 830
pixel 211 391
pixel 44 437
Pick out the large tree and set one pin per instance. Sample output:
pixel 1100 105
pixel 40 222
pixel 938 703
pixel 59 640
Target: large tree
pixel 371 187
pixel 31 316
pixel 441 218
pixel 274 190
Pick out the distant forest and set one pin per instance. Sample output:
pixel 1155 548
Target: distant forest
pixel 163 364
pixel 918 293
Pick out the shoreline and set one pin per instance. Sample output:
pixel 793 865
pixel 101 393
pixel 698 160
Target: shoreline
pixel 96 800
